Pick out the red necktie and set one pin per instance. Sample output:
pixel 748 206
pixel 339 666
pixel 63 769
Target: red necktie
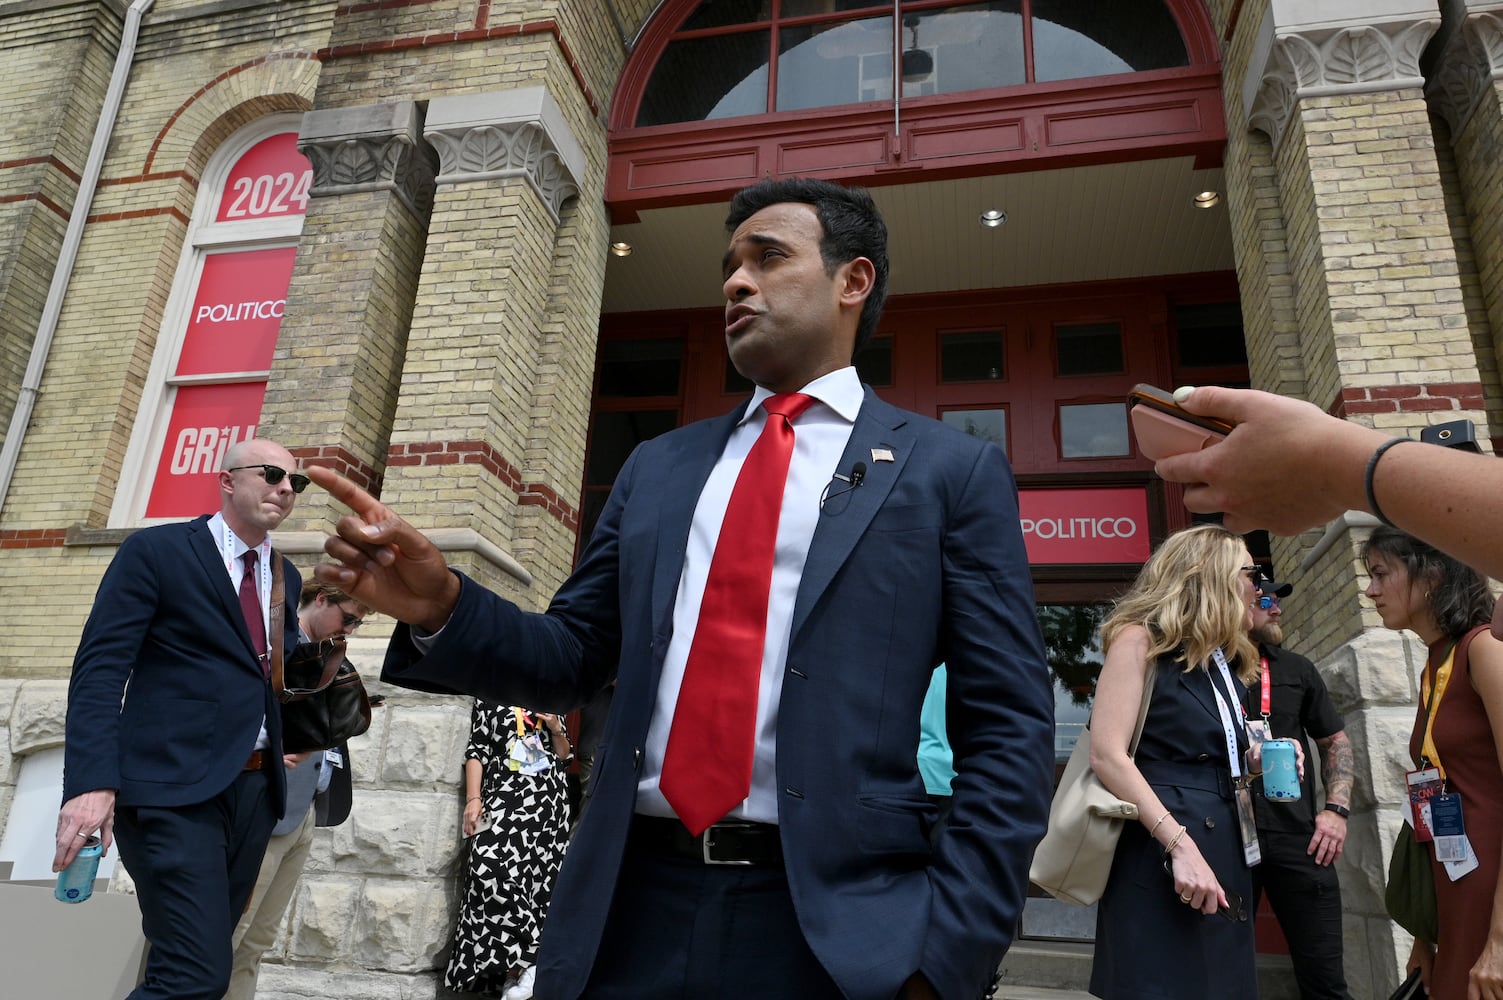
pixel 708 764
pixel 250 606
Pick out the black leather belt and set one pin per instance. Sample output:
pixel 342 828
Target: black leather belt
pixel 732 842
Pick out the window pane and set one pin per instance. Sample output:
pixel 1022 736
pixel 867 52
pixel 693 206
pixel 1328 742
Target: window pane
pixel 616 434
pixel 988 425
pixel 965 47
pixel 237 311
pixel 1093 430
pixel 821 65
pixel 1073 39
pixel 1210 336
pixel 640 367
pixel 1088 349
pixel 206 420
pixel 971 357
pixel 705 78
pixel 874 362
pixel 722 13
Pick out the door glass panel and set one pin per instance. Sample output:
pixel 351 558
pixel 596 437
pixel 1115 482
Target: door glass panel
pixel 612 437
pixel 874 362
pixel 1093 430
pixel 988 425
pixel 1072 647
pixel 1210 336
pixel 640 367
pixel 1088 349
pixel 976 356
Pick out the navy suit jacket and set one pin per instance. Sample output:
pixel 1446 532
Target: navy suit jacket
pixel 167 620
pixel 923 562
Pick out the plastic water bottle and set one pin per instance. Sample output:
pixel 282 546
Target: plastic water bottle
pixel 75 883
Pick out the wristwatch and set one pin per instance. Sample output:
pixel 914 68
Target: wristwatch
pixel 1339 810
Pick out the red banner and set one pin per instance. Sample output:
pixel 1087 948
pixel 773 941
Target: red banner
pixel 1086 525
pixel 206 420
pixel 270 181
pixel 237 312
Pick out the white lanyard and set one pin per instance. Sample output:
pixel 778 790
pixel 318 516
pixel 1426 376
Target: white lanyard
pixel 263 563
pixel 1228 724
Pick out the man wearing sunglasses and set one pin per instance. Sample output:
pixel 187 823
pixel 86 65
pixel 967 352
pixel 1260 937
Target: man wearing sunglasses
pixel 173 739
pixel 1301 840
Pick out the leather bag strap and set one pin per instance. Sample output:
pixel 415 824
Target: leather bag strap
pixel 278 625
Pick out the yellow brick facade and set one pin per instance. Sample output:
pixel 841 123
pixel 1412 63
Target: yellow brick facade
pixel 440 332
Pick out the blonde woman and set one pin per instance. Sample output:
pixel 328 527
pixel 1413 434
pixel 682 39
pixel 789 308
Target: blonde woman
pixel 1173 921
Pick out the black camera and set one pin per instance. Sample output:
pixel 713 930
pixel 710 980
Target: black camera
pixel 1452 434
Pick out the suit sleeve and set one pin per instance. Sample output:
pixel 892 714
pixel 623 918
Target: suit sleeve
pixel 124 608
pixel 1000 709
pixel 551 661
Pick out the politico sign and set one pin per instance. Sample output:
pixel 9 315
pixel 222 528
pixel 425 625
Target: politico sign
pixel 1108 525
pixel 231 333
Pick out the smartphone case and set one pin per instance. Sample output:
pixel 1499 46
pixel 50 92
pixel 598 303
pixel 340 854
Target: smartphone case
pixel 1161 435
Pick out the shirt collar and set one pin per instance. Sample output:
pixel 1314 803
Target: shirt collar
pixel 218 528
pixel 840 390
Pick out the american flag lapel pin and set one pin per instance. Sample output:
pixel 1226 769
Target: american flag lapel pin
pixel 882 455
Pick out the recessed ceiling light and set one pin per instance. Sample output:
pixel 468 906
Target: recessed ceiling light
pixel 621 248
pixel 993 217
pixel 1207 199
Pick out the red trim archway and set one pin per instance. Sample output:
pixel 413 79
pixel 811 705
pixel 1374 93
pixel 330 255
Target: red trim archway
pixel 1158 113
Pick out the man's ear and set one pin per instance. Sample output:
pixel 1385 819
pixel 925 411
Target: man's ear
pixel 859 277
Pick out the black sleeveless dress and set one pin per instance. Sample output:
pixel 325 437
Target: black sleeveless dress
pixel 1149 945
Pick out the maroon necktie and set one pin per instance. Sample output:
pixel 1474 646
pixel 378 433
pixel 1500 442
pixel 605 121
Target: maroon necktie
pixel 250 606
pixel 708 764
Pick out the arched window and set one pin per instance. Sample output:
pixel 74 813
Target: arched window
pixel 732 58
pixel 213 357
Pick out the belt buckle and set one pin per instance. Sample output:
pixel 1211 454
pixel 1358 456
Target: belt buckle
pixel 707 845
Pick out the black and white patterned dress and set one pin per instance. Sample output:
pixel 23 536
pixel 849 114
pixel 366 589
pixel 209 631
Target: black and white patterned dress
pixel 514 855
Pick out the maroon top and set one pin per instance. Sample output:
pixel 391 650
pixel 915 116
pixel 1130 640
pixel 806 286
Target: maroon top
pixel 1468 751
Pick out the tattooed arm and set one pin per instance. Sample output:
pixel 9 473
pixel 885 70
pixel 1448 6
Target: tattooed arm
pixel 1336 773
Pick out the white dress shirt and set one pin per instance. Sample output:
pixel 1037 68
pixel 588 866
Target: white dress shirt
pixel 821 434
pixel 235 565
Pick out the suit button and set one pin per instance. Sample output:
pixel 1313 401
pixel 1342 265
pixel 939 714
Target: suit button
pixel 636 758
pixel 1210 823
pixel 1204 756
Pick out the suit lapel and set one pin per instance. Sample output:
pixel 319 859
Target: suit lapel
pixel 880 429
pixel 1201 691
pixel 211 561
pixel 698 449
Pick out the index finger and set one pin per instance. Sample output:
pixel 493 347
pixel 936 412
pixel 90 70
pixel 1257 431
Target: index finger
pixel 365 506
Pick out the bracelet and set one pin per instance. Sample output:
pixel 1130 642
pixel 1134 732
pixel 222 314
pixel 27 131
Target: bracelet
pixel 1155 828
pixel 473 798
pixel 1175 842
pixel 1338 809
pixel 1367 479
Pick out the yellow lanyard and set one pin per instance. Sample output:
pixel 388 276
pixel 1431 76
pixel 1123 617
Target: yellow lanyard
pixel 521 716
pixel 1432 705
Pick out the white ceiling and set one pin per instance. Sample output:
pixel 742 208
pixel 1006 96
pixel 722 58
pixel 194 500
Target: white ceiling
pixel 1121 220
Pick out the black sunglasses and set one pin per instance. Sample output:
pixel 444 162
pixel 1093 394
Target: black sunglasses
pixel 273 474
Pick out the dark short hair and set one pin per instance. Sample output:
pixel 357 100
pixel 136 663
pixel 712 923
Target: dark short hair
pixel 1457 595
pixel 853 227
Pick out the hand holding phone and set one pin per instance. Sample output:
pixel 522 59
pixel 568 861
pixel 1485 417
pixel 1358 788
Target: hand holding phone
pixel 1163 428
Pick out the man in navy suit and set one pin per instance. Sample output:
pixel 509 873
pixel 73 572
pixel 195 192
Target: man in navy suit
pixel 898 546
pixel 187 772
